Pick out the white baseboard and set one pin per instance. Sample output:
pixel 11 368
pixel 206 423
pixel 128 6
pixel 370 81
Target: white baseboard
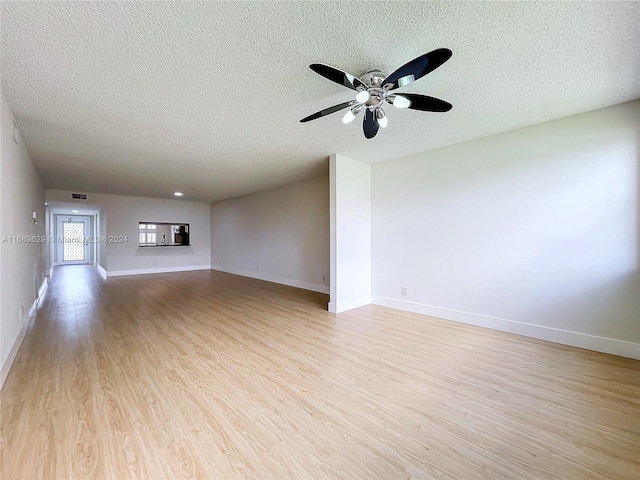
pixel 146 271
pixel 57 264
pixel 6 366
pixel 340 307
pixel 314 287
pixel 41 290
pixel 8 363
pixel 565 337
pixel 43 287
pixel 101 271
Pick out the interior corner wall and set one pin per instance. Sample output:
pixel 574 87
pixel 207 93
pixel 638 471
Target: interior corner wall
pixel 279 235
pixel 533 231
pixel 102 246
pixel 47 252
pixel 21 262
pixel 350 206
pixel 120 216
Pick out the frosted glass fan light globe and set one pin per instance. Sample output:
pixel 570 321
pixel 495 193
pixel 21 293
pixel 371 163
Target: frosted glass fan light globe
pixel 381 117
pixel 401 102
pixel 348 117
pixel 363 96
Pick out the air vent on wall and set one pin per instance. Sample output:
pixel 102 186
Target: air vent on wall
pixel 79 196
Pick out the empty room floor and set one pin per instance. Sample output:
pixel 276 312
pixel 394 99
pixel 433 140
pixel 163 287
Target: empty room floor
pixel 213 376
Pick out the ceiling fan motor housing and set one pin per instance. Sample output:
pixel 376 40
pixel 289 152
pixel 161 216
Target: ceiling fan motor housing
pixel 373 78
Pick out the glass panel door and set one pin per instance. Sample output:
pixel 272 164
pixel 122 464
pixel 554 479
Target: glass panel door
pixel 73 249
pixel 73 236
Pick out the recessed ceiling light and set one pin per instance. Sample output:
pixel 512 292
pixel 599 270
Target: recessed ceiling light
pixel 75 211
pixel 178 194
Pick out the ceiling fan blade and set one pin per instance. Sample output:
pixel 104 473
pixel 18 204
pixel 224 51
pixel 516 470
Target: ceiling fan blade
pixel 370 124
pixel 327 111
pixel 425 103
pixel 338 76
pixel 417 68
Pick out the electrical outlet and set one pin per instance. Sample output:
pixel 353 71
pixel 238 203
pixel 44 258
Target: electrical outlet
pixel 257 267
pixel 403 290
pixel 155 263
pixel 324 278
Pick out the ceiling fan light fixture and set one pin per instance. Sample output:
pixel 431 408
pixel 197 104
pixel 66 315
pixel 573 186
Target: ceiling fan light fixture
pixel 401 102
pixel 382 118
pixel 363 96
pixel 351 114
pixel 406 80
pixel 348 117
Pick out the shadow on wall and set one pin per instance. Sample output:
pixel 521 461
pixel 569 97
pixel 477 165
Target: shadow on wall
pixel 521 160
pixel 608 310
pixel 538 225
pixel 282 234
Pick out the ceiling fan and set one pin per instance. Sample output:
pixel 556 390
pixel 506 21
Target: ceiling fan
pixel 375 88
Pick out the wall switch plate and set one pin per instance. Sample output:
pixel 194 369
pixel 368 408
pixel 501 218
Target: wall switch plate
pixel 403 290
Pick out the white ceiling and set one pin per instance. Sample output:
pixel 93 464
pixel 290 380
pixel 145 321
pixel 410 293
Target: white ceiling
pixel 149 98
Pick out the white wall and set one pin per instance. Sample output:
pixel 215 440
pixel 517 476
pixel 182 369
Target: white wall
pixel 283 231
pixel 122 214
pixel 102 231
pixel 48 249
pixel 537 226
pixel 21 264
pixel 350 183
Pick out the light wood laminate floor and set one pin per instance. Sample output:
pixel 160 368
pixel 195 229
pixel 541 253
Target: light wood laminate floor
pixel 210 375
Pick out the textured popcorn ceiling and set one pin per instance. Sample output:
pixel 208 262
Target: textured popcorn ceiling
pixel 150 98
